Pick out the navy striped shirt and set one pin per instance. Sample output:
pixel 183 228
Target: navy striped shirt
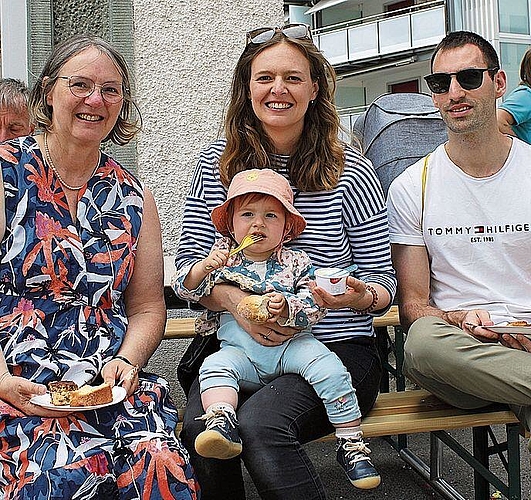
pixel 345 225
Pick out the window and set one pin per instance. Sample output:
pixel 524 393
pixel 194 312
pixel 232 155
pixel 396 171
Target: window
pixel 510 57
pixel 514 16
pixel 409 86
pixel 404 4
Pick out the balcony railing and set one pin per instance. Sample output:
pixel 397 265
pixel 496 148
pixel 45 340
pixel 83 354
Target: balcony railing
pixel 351 41
pixel 347 117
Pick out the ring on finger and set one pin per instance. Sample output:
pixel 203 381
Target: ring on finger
pixel 269 333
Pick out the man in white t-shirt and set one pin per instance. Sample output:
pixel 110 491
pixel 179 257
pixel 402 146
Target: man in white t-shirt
pixel 461 240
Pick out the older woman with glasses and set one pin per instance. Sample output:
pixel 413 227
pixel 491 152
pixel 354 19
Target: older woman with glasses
pixel 81 301
pixel 282 116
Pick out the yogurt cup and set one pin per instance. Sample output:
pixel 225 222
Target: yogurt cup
pixel 336 285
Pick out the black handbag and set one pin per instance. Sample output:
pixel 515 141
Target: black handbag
pixel 188 368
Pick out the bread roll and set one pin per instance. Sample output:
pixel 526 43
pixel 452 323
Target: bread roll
pixel 519 323
pixel 254 308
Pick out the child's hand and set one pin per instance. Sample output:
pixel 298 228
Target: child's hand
pixel 217 258
pixel 277 306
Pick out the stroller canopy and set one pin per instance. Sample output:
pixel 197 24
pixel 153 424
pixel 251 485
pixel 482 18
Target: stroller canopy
pixel 396 130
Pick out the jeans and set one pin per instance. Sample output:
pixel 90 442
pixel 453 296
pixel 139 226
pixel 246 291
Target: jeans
pixel 274 422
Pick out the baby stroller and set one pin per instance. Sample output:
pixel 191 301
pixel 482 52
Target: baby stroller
pixel 396 130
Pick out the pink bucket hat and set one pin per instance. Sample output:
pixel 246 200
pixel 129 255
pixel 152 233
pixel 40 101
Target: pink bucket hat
pixel 263 181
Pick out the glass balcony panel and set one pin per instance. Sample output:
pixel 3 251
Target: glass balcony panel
pixel 428 28
pixel 395 34
pixel 363 41
pixel 346 128
pixel 334 46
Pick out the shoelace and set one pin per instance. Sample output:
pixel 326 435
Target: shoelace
pixel 217 418
pixel 355 450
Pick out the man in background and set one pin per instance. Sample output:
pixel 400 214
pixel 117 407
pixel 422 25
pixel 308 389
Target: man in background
pixel 14 116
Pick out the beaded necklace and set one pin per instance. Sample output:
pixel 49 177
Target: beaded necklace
pixel 56 172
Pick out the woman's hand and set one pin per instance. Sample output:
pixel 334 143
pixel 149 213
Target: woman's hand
pixel 268 334
pixel 17 391
pixel 356 296
pixel 118 371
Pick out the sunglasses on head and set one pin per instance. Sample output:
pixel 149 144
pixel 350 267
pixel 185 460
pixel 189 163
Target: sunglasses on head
pixel 263 35
pixel 469 79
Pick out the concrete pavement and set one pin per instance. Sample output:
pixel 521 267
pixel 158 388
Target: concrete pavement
pixel 399 482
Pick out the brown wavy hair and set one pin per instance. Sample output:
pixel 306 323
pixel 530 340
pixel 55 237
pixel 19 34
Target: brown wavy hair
pixel 127 125
pixel 525 69
pixel 319 157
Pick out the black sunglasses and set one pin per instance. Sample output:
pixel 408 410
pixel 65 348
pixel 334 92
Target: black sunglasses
pixel 469 79
pixel 263 35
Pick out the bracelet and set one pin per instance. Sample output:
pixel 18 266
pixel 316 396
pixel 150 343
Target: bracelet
pixel 4 376
pixel 123 358
pixel 372 305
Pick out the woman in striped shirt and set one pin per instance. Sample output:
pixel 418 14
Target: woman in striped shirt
pixel 282 116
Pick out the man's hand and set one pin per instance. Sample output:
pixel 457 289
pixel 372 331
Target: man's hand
pixel 518 341
pixel 473 322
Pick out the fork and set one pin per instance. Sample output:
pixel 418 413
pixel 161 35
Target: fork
pixel 247 241
pixel 129 375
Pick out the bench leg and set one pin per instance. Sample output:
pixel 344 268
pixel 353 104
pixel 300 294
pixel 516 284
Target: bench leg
pixel 382 342
pixel 433 477
pixel 480 443
pixel 513 458
pixel 399 354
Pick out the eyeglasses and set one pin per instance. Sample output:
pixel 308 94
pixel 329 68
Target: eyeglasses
pixel 263 35
pixel 469 79
pixel 85 87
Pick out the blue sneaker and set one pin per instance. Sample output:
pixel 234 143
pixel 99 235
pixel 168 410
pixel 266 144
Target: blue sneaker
pixel 353 456
pixel 220 439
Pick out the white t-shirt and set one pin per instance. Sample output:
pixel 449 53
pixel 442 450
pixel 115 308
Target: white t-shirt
pixel 477 232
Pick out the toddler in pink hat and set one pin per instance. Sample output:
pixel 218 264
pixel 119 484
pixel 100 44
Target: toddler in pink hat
pixel 260 202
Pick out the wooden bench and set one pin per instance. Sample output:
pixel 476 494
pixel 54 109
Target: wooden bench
pixel 397 414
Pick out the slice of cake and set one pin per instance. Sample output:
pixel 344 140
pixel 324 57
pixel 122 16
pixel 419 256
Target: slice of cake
pixel 61 392
pixel 91 395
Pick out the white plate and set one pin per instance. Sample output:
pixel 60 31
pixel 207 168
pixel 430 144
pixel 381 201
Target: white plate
pixel 524 330
pixel 44 400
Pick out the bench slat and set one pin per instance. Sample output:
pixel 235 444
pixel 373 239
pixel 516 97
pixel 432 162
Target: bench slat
pixel 413 411
pixel 183 328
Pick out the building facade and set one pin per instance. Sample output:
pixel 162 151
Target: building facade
pixel 380 46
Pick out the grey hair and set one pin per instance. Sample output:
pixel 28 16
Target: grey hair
pixel 14 95
pixel 127 125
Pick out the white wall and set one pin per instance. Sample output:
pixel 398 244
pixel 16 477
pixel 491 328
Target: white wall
pixel 13 39
pixel 377 83
pixel 185 52
pixel 184 56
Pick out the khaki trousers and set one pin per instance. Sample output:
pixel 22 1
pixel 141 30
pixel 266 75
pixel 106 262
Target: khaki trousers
pixel 465 372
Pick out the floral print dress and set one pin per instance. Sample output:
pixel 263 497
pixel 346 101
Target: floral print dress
pixel 62 316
